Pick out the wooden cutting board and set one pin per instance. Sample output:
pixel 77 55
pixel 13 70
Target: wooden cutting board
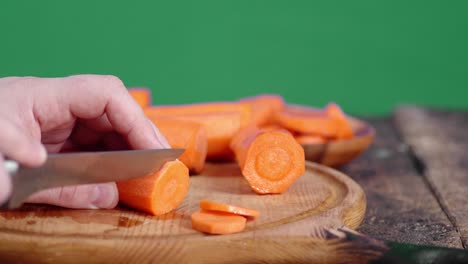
pixel 299 225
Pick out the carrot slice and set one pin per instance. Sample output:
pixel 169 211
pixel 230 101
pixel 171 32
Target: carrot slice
pixel 226 208
pixel 188 135
pixel 264 107
pixel 270 160
pixel 344 127
pixel 310 139
pixel 159 192
pixel 217 223
pixel 307 121
pixel 141 95
pixel 220 128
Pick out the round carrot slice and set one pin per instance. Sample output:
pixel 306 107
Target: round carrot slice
pixel 220 207
pixel 217 222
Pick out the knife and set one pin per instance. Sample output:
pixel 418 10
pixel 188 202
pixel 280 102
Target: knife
pixel 84 168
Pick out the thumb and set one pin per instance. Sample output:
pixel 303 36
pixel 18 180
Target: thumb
pixel 89 196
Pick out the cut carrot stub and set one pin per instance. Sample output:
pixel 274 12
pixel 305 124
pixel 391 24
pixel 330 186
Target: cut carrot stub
pixel 307 121
pixel 344 127
pixel 141 95
pixel 217 222
pixel 310 139
pixel 264 107
pixel 220 128
pixel 159 192
pixel 188 135
pixel 226 208
pixel 270 161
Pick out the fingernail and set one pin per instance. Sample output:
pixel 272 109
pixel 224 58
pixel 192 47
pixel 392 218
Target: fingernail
pixel 105 196
pixel 160 137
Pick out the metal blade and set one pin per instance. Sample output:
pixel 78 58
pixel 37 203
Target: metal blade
pixel 86 168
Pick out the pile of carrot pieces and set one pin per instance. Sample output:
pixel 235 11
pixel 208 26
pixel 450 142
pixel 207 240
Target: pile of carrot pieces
pixel 263 134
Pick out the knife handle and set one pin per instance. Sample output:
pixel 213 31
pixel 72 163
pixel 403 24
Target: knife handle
pixel 11 166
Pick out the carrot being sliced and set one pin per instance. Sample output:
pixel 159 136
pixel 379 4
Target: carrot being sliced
pixel 188 135
pixel 141 95
pixel 264 107
pixel 344 127
pixel 270 161
pixel 310 139
pixel 226 208
pixel 307 121
pixel 220 128
pixel 217 222
pixel 159 192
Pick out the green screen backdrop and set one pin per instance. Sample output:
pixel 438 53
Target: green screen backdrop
pixel 367 55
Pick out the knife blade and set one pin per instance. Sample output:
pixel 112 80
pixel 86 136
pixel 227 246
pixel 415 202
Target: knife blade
pixel 84 168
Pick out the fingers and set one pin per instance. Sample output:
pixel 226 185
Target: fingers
pixel 104 196
pixel 84 136
pixel 54 139
pixel 5 183
pixel 16 145
pixel 90 96
pixel 160 135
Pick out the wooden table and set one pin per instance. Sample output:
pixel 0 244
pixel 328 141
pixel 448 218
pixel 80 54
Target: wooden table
pixel 415 176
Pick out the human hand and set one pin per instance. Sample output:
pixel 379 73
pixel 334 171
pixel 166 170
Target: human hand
pixel 82 112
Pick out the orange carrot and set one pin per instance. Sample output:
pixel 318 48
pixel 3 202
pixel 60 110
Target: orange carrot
pixel 344 127
pixel 245 110
pixel 307 121
pixel 188 135
pixel 273 127
pixel 220 128
pixel 226 208
pixel 270 160
pixel 159 192
pixel 264 107
pixel 305 139
pixel 141 95
pixel 217 223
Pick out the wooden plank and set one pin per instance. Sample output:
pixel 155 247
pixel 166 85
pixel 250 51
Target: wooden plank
pixel 400 207
pixel 439 139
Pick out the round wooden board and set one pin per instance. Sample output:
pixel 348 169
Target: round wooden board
pixel 319 200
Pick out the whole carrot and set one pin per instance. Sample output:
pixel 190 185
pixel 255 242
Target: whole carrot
pixel 188 135
pixel 264 107
pixel 221 122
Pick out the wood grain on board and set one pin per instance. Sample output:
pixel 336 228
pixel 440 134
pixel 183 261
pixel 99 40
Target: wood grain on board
pixel 289 227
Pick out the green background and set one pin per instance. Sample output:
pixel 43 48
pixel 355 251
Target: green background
pixel 366 55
